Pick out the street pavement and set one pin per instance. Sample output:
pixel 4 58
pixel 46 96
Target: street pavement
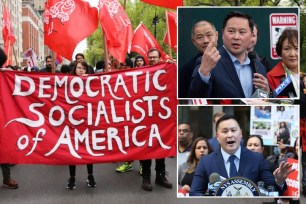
pixel 40 184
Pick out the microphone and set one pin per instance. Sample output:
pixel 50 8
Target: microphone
pixel 272 191
pixel 252 57
pixel 261 187
pixel 214 182
pixel 285 88
pixel 258 92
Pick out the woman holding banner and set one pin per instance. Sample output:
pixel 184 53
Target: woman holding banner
pixel 81 69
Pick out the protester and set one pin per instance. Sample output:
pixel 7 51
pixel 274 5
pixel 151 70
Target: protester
pixel 235 160
pixel 227 73
pixel 49 64
pixel 200 147
pixel 81 69
pixel 185 136
pixel 202 33
pixel 79 57
pixel 160 166
pixel 139 61
pixel 127 166
pixel 65 69
pixel 6 171
pixel 100 66
pixel 287 48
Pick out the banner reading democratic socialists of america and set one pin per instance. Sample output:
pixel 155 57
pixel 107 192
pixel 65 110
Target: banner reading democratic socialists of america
pixel 60 119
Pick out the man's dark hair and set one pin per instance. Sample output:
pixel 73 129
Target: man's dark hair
pixel 240 15
pixel 65 68
pixel 48 57
pixel 224 118
pixel 258 137
pixel 79 54
pixel 186 123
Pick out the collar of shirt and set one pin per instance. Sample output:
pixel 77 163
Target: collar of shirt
pixel 226 156
pixel 244 73
pixel 234 59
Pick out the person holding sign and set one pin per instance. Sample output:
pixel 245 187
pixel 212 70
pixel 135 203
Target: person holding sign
pixel 235 160
pixel 287 48
pixel 81 69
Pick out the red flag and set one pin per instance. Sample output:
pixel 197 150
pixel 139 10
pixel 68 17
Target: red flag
pixel 171 32
pixel 172 4
pixel 8 35
pixel 117 28
pixel 66 23
pixel 59 59
pixel 143 41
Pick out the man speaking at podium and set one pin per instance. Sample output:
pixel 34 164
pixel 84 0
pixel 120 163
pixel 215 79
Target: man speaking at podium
pixel 234 160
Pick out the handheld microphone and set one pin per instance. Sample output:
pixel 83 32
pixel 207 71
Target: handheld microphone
pixel 258 92
pixel 285 88
pixel 214 182
pixel 252 57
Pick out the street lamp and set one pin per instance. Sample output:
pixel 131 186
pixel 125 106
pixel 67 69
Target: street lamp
pixel 155 22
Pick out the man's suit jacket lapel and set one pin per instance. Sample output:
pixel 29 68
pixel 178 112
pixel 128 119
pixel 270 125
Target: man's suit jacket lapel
pixel 229 68
pixel 242 161
pixel 221 167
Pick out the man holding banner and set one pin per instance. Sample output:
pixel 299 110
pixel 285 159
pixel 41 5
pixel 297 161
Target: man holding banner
pixel 160 167
pixel 6 171
pixel 234 160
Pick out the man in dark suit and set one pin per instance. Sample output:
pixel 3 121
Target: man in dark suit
pixel 227 73
pixel 246 163
pixel 202 33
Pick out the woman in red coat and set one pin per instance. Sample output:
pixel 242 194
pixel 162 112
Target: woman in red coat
pixel 287 50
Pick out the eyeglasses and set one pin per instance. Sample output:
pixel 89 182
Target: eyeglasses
pixel 153 57
pixel 183 130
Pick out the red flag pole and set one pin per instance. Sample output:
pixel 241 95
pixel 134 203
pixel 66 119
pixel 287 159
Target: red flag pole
pixel 14 52
pixel 168 31
pixel 9 58
pixel 106 57
pixel 124 4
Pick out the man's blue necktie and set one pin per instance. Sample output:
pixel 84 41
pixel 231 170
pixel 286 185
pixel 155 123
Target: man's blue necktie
pixel 233 169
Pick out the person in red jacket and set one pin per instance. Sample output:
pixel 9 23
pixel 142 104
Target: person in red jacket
pixel 287 49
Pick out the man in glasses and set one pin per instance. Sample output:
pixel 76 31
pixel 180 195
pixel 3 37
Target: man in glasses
pixel 160 166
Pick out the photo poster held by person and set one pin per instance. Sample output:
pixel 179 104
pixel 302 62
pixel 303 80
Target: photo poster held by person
pixel 109 117
pixel 275 124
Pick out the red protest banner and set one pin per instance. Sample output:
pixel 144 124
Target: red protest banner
pixel 293 179
pixel 59 119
